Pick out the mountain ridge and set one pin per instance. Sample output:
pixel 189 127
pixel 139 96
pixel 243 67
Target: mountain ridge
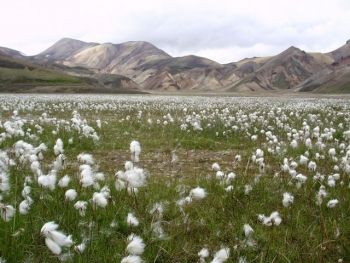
pixel 151 68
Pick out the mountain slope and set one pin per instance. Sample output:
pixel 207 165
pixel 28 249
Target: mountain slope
pixel 139 65
pixel 64 48
pixel 19 74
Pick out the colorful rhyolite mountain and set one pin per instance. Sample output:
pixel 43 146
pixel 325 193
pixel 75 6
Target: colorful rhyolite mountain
pixel 141 65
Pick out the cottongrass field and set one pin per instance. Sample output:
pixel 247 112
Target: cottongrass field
pixel 95 178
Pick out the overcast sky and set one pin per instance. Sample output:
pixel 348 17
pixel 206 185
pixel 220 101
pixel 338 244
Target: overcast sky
pixel 221 30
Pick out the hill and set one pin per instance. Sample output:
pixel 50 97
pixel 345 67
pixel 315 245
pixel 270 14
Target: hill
pixel 141 66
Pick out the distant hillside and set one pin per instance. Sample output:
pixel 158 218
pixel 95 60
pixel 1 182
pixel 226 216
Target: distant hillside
pixel 18 74
pixel 141 66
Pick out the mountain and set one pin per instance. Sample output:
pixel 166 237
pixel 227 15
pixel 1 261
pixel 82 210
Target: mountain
pixel 19 73
pixel 141 66
pixel 64 48
pixel 7 52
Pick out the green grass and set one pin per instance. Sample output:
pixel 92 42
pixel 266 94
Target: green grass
pixel 307 232
pixel 27 77
pixel 280 81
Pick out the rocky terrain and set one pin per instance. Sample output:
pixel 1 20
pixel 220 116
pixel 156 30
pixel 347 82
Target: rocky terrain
pixel 142 66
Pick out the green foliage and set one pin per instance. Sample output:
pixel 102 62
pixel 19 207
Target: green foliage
pixel 177 158
pixel 20 76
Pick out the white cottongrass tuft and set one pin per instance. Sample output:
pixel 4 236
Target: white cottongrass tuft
pixel 80 248
pixel 273 220
pixel 135 177
pixel 64 181
pixel 157 210
pixel 86 176
pixel 332 203
pixel 198 193
pixel 247 189
pixel 128 166
pixel 135 149
pixel 135 246
pixel 248 230
pixel 54 239
pixel 58 148
pixel 132 220
pixel 229 188
pixel 132 259
pixel 321 194
pixel 221 256
pixel 216 167
pixel 81 206
pixel 53 246
pixel 49 226
pixel 86 158
pixel 204 253
pixel 71 194
pixel 7 212
pixel 99 199
pixel 24 207
pixel 288 199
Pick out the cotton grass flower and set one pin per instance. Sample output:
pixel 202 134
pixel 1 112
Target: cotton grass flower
pixel 64 181
pixel 24 207
pixel 216 167
pixel 81 206
pixel 135 149
pixel 221 256
pixel 58 148
pixel 203 253
pixel 288 199
pixel 53 246
pixel 132 220
pixel 135 177
pixel 86 177
pixel 198 193
pixel 132 259
pixel 332 203
pixel 303 159
pixel 7 212
pixel 273 220
pixel 49 226
pixel 80 248
pixel 99 199
pixel 321 194
pixel 55 240
pixel 86 158
pixel 157 210
pixel 135 246
pixel 248 230
pixel 229 188
pixel 71 194
pixel 247 189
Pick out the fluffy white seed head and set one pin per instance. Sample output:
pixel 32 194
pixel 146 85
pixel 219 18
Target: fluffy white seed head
pixel 248 230
pixel 204 253
pixel 198 193
pixel 135 149
pixel 216 167
pixel 288 199
pixel 132 220
pixel 71 194
pixel 136 245
pixel 132 259
pixel 222 255
pixel 332 203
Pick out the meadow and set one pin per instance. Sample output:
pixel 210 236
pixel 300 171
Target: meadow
pixel 131 178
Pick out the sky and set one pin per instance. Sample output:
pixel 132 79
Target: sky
pixel 222 30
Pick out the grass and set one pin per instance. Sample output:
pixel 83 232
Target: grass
pixel 27 77
pixel 176 160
